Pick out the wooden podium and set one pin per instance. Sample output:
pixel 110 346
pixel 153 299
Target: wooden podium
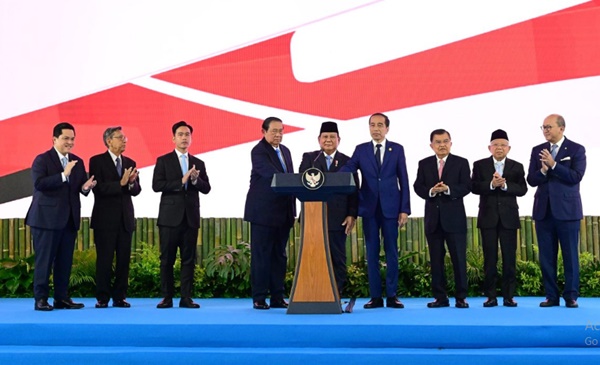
pixel 314 290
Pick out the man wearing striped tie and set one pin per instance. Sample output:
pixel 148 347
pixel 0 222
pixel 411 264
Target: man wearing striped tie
pixel 113 219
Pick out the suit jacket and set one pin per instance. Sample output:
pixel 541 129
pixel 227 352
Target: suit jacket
pixel 447 210
pixel 176 199
pixel 559 188
pixel 263 205
pixel 112 202
pixel 498 205
pixel 54 200
pixel 389 187
pixel 338 206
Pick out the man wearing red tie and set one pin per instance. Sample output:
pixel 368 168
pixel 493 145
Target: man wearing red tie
pixel 442 181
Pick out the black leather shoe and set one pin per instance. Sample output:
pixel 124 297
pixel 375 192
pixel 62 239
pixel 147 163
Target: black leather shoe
pixel 549 303
pixel 42 305
pixel 438 304
pixel 102 304
pixel 278 303
pixel 509 302
pixel 374 303
pixel 165 303
pixel 188 303
pixel 393 302
pixel 260 304
pixel 122 303
pixel 67 304
pixel 571 303
pixel 491 302
pixel 461 303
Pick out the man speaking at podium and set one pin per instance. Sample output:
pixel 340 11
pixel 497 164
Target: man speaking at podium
pixel 341 209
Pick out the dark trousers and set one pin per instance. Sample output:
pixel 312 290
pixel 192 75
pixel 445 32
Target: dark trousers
pixel 508 246
pixel 337 247
pixel 53 254
pixel 550 232
pixel 389 229
pixel 184 238
pixel 108 243
pixel 268 262
pixel 457 246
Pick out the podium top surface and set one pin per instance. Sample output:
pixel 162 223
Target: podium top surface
pixel 321 187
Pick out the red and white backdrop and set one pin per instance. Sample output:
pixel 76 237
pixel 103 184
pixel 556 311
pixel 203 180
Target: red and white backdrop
pixel 468 66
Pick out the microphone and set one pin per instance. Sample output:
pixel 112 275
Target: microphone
pixel 316 158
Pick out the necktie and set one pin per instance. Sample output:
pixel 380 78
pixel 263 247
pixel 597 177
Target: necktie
pixel 328 158
pixel 281 159
pixel 441 169
pixel 378 155
pixel 499 168
pixel 184 166
pixel 554 151
pixel 63 160
pixel 119 166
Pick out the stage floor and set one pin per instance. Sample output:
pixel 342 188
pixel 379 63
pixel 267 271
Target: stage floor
pixel 232 328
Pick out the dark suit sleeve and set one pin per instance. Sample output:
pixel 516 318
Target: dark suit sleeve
pixel 104 187
pixel 306 162
pixel 516 184
pixel 159 179
pixel 421 187
pixel 462 187
pixel 262 164
pixel 571 171
pixel 42 179
pixel 480 182
pixel 402 174
pixel 202 183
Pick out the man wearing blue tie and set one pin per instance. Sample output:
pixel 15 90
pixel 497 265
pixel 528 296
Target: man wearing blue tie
pixel 384 205
pixel 556 169
pixel 498 181
pixel 180 177
pixel 54 217
pixel 271 217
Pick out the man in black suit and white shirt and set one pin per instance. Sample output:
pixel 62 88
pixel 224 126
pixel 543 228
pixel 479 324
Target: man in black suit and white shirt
pixel 179 176
pixel 113 219
pixel 498 181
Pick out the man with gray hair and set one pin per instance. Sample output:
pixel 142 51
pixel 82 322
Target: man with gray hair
pixel 113 219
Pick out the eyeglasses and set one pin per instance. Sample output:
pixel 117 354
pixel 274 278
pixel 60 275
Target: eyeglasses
pixel 439 143
pixel 546 127
pixel 122 137
pixel 501 145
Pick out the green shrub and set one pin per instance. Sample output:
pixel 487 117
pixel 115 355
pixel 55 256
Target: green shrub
pixel 16 277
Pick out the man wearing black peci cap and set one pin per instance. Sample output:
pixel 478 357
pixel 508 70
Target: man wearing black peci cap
pixel 498 181
pixel 341 209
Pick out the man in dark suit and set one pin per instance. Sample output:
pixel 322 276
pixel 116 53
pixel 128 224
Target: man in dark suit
pixel 54 217
pixel 179 176
pixel 113 220
pixel 556 169
pixel 271 217
pixel 341 209
pixel 384 205
pixel 443 180
pixel 498 181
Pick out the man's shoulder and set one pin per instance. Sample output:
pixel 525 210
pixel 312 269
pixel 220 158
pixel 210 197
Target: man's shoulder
pixel 483 161
pixel 165 156
pixel 458 158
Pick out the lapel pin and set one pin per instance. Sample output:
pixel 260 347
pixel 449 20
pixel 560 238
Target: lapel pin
pixel 336 163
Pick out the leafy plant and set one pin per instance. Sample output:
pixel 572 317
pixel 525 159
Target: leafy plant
pixel 82 282
pixel 16 277
pixel 230 267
